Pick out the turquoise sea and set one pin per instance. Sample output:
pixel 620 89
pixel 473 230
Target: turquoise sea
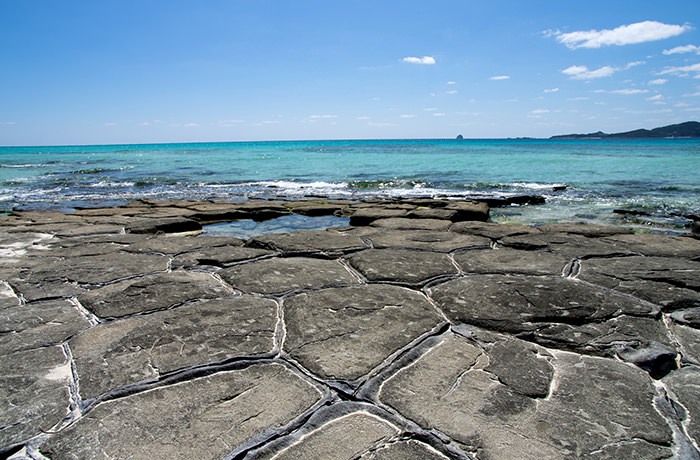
pixel 584 180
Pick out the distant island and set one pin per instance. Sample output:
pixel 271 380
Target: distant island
pixel 687 129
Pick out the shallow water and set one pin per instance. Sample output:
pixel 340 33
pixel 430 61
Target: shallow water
pixel 657 176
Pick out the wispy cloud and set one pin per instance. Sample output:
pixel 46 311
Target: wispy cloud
pixel 408 115
pixel 681 70
pixel 630 34
pixel 581 72
pixel 190 125
pixel 683 49
pixel 451 82
pixel 500 77
pixel 454 91
pixel 629 91
pixel 438 114
pixel 10 123
pixel 316 117
pixel 552 90
pixel 659 81
pixel 110 123
pixel 422 60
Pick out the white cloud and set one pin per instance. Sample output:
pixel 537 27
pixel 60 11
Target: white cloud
pixel 683 49
pixel 634 64
pixel 111 123
pixel 500 77
pixel 639 32
pixel 408 115
pixel 438 114
pixel 629 91
pixel 190 125
pixel 430 109
pixel 364 117
pixel 451 82
pixel 323 116
pixel 581 72
pixel 681 70
pixel 454 91
pixel 659 81
pixel 10 123
pixel 540 111
pixel 416 60
pixel 553 90
pixel 658 97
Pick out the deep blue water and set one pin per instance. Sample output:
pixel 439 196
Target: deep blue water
pixel 658 176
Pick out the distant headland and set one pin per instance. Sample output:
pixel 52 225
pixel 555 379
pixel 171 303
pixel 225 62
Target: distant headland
pixel 687 129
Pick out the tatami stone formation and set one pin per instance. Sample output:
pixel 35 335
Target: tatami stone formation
pixel 419 331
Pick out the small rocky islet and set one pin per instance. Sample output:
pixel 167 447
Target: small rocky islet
pixel 421 330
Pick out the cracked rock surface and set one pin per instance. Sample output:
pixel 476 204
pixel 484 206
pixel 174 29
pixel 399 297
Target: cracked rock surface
pixel 421 331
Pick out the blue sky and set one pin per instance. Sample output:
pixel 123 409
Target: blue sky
pixel 108 71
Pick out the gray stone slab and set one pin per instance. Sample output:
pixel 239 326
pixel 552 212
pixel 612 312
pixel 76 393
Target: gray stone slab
pixel 39 324
pixel 688 340
pixel 506 260
pixel 219 257
pixel 365 216
pixel 584 229
pixel 491 230
pixel 95 269
pixel 34 395
pixel 427 240
pixel 659 245
pixel 309 241
pixel 403 266
pixel 145 347
pixel 405 223
pixel 344 333
pixel 173 245
pixel 280 275
pixel 453 388
pixel 569 245
pixel 670 282
pixel 150 293
pixel 404 450
pixel 346 438
pixel 510 302
pixel 206 418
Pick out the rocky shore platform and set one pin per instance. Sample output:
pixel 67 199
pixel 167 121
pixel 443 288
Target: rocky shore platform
pixel 420 331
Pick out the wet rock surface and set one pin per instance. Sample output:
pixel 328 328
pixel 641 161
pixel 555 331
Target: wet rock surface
pixel 422 331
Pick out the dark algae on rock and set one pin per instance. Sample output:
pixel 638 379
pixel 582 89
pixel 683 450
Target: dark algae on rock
pixel 419 331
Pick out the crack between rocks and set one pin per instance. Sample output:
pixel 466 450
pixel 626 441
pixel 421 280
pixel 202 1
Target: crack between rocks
pixel 84 312
pixel 665 403
pixel 280 334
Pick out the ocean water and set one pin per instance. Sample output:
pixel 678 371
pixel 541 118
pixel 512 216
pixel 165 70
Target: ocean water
pixel 583 180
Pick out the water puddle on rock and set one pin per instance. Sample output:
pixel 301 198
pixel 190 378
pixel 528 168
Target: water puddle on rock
pixel 248 228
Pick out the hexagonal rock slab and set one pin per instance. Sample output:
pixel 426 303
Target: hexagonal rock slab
pixel 34 394
pixel 345 438
pixel 280 275
pixel 219 257
pixel 344 333
pixel 309 241
pixel 38 324
pixel 405 223
pixel 427 240
pixel 144 347
pixel 491 230
pixel 155 292
pixel 481 397
pixel 659 245
pixel 669 282
pixel 404 266
pixel 205 418
pixel 509 302
pixel 506 260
